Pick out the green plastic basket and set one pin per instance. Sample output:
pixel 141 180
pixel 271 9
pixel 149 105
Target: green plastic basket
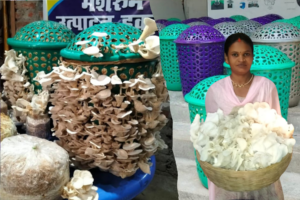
pixel 168 55
pixel 196 100
pixel 239 18
pixel 174 19
pixel 293 21
pixel 196 97
pixel 200 172
pixel 130 64
pixel 40 42
pixel 276 66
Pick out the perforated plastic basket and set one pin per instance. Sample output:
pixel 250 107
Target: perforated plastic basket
pixel 196 97
pixel 168 55
pixel 239 18
pixel 187 21
pixel 276 66
pixel 160 26
pixel 203 19
pixel 213 22
pixel 250 25
pixel 130 64
pixel 200 55
pixel 198 23
pixel 196 101
pixel 40 42
pixel 172 22
pixel 229 28
pixel 262 20
pixel 161 21
pixel 273 17
pixel 294 22
pixel 174 19
pixel 286 38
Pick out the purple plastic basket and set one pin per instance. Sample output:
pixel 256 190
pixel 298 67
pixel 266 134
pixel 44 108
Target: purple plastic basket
pixel 172 22
pixel 204 19
pixel 262 20
pixel 200 55
pixel 274 17
pixel 187 21
pixel 161 21
pixel 213 22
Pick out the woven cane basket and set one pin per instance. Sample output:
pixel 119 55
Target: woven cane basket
pixel 239 181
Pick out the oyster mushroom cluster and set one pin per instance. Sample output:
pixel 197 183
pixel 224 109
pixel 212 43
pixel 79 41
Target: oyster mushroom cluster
pixel 104 122
pixel 16 85
pixel 150 49
pixel 37 119
pixel 80 187
pixel 249 138
pixel 36 108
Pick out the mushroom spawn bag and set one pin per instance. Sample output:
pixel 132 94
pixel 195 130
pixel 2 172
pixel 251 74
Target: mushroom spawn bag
pixel 32 169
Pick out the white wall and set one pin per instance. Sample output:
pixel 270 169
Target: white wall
pixel 195 8
pixel 164 9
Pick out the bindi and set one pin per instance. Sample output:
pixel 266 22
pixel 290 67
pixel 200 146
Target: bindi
pixel 239 40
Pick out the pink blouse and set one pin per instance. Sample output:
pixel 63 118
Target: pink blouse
pixel 222 96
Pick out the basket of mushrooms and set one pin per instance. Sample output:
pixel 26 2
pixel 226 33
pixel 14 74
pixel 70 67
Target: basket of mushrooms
pixel 247 150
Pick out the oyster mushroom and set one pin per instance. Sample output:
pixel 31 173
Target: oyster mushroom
pixel 119 47
pixel 100 36
pixel 151 48
pixel 99 80
pixel 150 28
pixel 122 115
pixel 131 146
pixel 103 94
pixel 83 43
pixel 93 51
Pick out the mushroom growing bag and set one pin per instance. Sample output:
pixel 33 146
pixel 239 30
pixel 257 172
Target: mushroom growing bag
pixel 32 169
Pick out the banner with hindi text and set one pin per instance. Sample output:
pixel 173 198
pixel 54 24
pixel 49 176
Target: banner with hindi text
pixel 78 15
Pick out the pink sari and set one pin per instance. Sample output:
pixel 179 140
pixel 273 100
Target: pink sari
pixel 221 96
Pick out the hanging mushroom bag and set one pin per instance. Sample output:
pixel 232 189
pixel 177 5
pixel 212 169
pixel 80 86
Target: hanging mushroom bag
pixel 247 150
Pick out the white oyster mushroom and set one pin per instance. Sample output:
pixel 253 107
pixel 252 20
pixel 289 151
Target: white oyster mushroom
pixel 99 80
pixel 151 48
pixel 115 80
pixel 243 140
pixel 81 187
pixel 83 43
pixel 119 47
pixel 92 51
pixel 134 46
pixel 100 35
pixel 150 28
pixel 242 143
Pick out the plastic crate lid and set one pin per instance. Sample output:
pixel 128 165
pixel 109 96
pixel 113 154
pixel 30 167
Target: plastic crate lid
pixel 276 33
pixel 173 31
pixel 229 28
pixel 268 58
pixel 197 23
pixel 42 34
pixel 200 34
pixel 198 94
pixel 250 25
pixel 239 17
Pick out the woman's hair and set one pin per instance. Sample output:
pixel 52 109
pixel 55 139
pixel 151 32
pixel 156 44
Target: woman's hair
pixel 234 37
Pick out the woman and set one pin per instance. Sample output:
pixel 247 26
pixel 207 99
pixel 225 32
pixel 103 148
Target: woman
pixel 240 88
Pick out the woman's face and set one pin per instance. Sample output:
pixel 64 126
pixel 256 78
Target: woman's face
pixel 240 58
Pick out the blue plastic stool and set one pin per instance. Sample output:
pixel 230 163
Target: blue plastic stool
pixel 111 187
